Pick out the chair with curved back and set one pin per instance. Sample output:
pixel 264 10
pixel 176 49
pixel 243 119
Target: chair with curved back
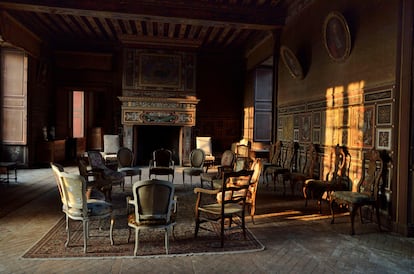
pixel 275 157
pixel 228 159
pixel 162 163
pixel 196 168
pixel 336 177
pixel 125 158
pixel 310 167
pixel 367 193
pixel 78 207
pixel 286 167
pixel 154 208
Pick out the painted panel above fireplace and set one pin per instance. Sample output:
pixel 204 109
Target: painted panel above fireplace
pixel 158 72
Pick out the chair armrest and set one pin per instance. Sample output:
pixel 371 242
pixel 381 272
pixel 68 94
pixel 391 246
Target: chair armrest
pixel 129 202
pixel 206 191
pixel 174 202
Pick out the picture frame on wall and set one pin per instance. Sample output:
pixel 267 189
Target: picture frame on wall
pixel 384 114
pixel 362 126
pixel 337 37
pixel 383 138
pixel 316 119
pixel 291 62
pixel 296 135
pixel 316 136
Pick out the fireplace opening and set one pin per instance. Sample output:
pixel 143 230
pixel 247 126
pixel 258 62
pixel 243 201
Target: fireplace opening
pixel 149 138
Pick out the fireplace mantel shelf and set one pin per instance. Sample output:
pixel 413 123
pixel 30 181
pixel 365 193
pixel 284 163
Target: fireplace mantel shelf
pixel 158 111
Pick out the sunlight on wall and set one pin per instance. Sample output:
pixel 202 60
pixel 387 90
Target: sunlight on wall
pixel 248 123
pixel 347 123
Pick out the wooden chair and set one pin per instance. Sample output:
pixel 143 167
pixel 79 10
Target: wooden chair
pixel 197 157
pixel 125 158
pixel 310 168
pixel 229 207
pixel 367 190
pixel 228 159
pixel 336 178
pixel 286 167
pixel 154 208
pixel 275 158
pixel 162 163
pixel 257 167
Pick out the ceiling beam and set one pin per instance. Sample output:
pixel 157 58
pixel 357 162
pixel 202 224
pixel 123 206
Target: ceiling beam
pixel 185 11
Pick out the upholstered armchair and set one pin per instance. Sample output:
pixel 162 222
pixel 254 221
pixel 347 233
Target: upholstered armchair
pixel 77 206
pixel 162 163
pixel 125 158
pixel 205 144
pixel 97 163
pixel 111 144
pixel 196 167
pixel 154 208
pixel 228 159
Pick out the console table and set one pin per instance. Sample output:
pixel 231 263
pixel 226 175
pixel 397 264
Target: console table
pixel 6 168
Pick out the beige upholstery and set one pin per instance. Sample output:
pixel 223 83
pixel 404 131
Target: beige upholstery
pixel 76 206
pixel 111 147
pixel 205 144
pixel 154 208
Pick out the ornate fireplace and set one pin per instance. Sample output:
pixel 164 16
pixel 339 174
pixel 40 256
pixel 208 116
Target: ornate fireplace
pixel 150 123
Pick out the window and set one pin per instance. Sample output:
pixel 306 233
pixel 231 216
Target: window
pixel 78 114
pixel 14 95
pixel 263 88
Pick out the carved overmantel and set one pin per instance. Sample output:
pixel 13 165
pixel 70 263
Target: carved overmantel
pixel 158 111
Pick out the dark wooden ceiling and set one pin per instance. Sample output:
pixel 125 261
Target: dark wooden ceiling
pixel 198 24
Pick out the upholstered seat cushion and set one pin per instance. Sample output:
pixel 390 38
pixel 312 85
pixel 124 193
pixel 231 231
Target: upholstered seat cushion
pixel 193 171
pixel 133 221
pixel 351 197
pixel 161 170
pixel 216 208
pixel 130 171
pixel 95 208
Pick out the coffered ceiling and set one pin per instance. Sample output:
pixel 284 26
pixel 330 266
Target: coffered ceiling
pixel 198 24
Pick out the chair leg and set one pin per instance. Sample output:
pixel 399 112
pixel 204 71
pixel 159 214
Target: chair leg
pixel 166 242
pixel 352 211
pixel 378 216
pixel 67 232
pixel 136 241
pixel 331 205
pixel 222 232
pixel 111 229
pixel 85 235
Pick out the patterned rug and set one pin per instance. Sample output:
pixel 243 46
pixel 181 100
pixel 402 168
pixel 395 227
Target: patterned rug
pixel 151 242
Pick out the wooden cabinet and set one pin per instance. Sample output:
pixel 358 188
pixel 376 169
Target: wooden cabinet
pixel 51 151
